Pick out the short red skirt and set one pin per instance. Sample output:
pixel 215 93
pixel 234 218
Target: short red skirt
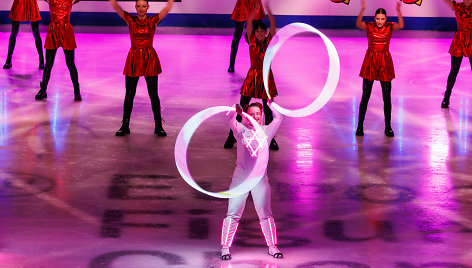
pixel 142 62
pixel 243 9
pixel 25 10
pixel 461 44
pixel 377 66
pixel 253 86
pixel 60 34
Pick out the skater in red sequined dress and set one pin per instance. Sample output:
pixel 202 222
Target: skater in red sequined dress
pixel 461 44
pixel 241 12
pixel 253 86
pixel 60 34
pixel 24 10
pixel 142 60
pixel 378 64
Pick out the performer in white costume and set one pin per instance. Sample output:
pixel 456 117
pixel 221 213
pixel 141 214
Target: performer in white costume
pixel 261 192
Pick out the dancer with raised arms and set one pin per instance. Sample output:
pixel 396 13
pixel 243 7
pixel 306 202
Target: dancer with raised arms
pixel 261 193
pixel 378 63
pixel 241 12
pixel 253 86
pixel 142 60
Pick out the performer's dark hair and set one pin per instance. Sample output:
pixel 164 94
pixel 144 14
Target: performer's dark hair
pixel 381 11
pixel 147 1
pixel 258 24
pixel 254 104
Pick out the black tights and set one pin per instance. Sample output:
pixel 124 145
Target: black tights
pixel 451 79
pixel 386 95
pixel 15 26
pixel 131 84
pixel 238 32
pixel 70 61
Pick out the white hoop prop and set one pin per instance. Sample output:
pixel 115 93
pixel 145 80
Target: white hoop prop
pixel 334 68
pixel 181 146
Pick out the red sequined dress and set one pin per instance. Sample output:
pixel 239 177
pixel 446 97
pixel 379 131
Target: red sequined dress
pixel 142 58
pixel 243 9
pixel 60 31
pixel 378 63
pixel 25 10
pixel 253 85
pixel 462 42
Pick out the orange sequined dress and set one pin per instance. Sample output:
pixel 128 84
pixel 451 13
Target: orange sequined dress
pixel 243 9
pixel 378 64
pixel 142 58
pixel 25 10
pixel 60 31
pixel 253 85
pixel 462 42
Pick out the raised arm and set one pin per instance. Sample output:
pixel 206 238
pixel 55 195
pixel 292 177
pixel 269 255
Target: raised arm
pixel 250 19
pixel 118 9
pixel 273 25
pixel 400 24
pixel 166 10
pixel 274 126
pixel 449 3
pixel 359 23
pixel 233 123
pixel 277 116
